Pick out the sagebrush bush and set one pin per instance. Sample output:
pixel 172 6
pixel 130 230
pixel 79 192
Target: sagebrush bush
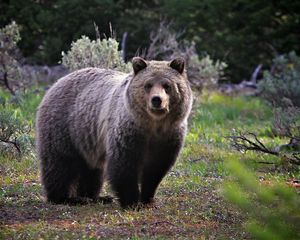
pixel 258 202
pixel 205 70
pixel 165 45
pixel 10 71
pixel 95 53
pixel 15 75
pixel 15 138
pixel 286 122
pixel 280 86
pixel 17 115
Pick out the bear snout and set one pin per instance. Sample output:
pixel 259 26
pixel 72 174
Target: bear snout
pixel 156 102
pixel 158 99
pixel 158 106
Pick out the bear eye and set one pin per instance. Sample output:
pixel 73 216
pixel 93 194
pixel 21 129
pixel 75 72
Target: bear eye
pixel 148 86
pixel 167 87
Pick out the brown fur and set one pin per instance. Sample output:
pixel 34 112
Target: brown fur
pixel 94 122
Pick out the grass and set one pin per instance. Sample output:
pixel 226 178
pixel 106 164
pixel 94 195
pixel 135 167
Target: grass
pixel 189 203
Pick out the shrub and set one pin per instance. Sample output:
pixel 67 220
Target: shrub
pixel 96 53
pixel 10 75
pixel 281 85
pixel 272 210
pixel 165 45
pixel 17 114
pixel 281 88
pixel 205 70
pixel 14 133
pixel 13 77
pixel 286 122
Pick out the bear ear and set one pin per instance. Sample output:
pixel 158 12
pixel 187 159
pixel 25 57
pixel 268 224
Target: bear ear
pixel 178 64
pixel 138 64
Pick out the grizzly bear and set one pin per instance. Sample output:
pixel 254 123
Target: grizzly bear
pixel 127 127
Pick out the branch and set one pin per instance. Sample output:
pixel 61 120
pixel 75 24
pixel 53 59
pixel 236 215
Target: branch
pixel 123 45
pixel 255 73
pixel 243 142
pixel 295 159
pixel 14 143
pixel 263 162
pixel 5 81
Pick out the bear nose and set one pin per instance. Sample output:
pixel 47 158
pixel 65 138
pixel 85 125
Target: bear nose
pixel 156 101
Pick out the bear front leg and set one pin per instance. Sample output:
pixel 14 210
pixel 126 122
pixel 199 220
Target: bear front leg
pixel 124 160
pixel 162 156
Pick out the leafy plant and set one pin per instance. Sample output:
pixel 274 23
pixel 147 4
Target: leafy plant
pixel 95 53
pixel 205 70
pixel 14 134
pixel 17 114
pixel 281 85
pixel 258 201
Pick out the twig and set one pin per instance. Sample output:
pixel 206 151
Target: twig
pixel 263 162
pixel 255 73
pixel 243 142
pixel 97 31
pixel 14 143
pixel 161 222
pixel 123 45
pixel 197 160
pixel 295 159
pixel 5 81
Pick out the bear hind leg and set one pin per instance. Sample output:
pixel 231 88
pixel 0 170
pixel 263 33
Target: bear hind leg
pixel 60 177
pixel 57 183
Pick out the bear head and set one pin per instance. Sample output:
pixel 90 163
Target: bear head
pixel 159 90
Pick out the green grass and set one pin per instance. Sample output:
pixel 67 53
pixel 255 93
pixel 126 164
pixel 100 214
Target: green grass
pixel 23 105
pixel 189 203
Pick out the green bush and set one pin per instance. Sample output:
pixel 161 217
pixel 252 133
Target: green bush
pixel 96 53
pixel 272 210
pixel 281 85
pixel 15 138
pixel 205 70
pixel 17 115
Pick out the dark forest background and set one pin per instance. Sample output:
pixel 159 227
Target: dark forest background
pixel 242 33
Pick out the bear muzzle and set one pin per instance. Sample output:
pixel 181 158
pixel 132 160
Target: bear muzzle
pixel 158 107
pixel 158 102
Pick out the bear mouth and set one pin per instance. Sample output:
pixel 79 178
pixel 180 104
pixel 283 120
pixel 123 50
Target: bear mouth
pixel 158 111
